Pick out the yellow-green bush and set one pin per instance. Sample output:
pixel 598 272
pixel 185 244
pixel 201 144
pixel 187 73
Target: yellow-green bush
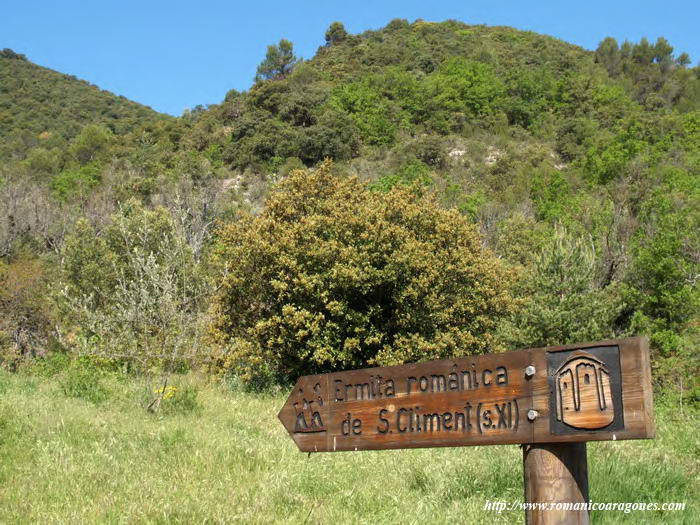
pixel 332 275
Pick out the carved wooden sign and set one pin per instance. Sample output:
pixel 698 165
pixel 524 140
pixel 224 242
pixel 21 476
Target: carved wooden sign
pixel 582 392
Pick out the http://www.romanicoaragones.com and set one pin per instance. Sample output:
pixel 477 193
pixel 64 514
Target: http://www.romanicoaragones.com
pixel 626 507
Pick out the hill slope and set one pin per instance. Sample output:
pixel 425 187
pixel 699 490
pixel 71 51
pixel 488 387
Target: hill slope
pixel 581 169
pixel 383 89
pixel 39 105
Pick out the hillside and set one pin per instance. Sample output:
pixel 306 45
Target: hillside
pixel 388 87
pixel 39 106
pixel 580 169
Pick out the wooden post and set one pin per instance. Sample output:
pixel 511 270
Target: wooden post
pixel 556 473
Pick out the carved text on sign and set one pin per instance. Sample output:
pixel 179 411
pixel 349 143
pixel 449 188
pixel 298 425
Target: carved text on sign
pixel 583 392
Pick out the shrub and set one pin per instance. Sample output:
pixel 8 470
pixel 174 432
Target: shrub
pixel 550 194
pixel 332 275
pixel 413 172
pixel 563 302
pixel 25 311
pixel 179 400
pixel 82 380
pixel 430 149
pixel 54 363
pixel 142 305
pixel 76 182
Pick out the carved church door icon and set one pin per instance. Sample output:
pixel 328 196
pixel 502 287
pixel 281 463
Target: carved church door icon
pixel 583 392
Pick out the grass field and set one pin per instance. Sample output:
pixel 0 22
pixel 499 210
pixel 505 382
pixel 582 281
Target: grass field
pixel 226 458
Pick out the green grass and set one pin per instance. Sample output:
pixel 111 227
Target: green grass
pixel 226 458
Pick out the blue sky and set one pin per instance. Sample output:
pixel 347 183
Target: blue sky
pixel 173 55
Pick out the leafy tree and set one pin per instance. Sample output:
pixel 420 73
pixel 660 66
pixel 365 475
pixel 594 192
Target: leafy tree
pixel 608 54
pixel 369 110
pixel 665 280
pixel 531 94
pixel 334 136
pixel 90 144
pixel 332 276
pixel 463 88
pixel 611 156
pixel 278 62
pixel 666 253
pixel 574 136
pixel 336 33
pixel 89 265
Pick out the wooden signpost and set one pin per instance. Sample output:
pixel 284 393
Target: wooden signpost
pixel 552 400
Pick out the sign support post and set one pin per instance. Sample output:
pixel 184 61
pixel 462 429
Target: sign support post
pixel 555 473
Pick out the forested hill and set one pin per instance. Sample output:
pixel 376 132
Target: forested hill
pixel 388 87
pixel 581 170
pixel 39 106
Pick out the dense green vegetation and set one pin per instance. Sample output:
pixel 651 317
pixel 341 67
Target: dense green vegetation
pixel 41 110
pixel 350 277
pixel 579 170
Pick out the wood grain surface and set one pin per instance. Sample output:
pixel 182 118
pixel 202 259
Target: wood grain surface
pixel 478 400
pixel 556 473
